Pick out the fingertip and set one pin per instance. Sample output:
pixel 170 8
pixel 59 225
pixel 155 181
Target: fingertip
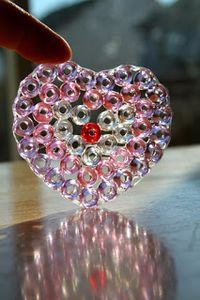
pixel 44 46
pixel 57 51
pixel 29 37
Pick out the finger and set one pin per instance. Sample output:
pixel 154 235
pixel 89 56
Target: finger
pixel 29 37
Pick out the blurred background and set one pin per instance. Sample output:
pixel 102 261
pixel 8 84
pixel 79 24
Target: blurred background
pixel 163 35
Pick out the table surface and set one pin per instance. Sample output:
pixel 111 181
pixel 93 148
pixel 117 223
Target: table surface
pixel 34 221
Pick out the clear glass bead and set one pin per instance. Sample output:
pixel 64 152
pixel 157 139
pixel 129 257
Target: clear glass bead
pixel 87 176
pixel 105 169
pixel 123 179
pixel 67 71
pixel 42 113
pixel 49 93
pixel 139 167
pixel 70 164
pixel 80 115
pixel 43 133
pixel 63 129
pixel 142 127
pixel 130 93
pixel 107 190
pixel 107 144
pixel 76 145
pixel 105 81
pixel 54 179
pixel 144 108
pixel 93 99
pixel 145 79
pixel 161 136
pixel 70 91
pixel 56 150
pixel 86 79
pixel 112 101
pixel 122 75
pixel 23 106
pixel 89 197
pixel 106 120
pixel 40 164
pixel 23 126
pixel 71 189
pixel 91 156
pixel 136 146
pixel 27 148
pixel 123 133
pixel 29 87
pixel 62 109
pixel 120 157
pixel 46 73
pixel 126 114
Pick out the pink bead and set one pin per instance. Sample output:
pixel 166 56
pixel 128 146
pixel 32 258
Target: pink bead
pixel 46 73
pixel 67 71
pixel 86 79
pixel 70 91
pixel 93 99
pixel 112 101
pixel 54 179
pixel 105 81
pixel 144 108
pixel 123 75
pixel 139 167
pixel 107 191
pixel 136 146
pixel 142 127
pixel 153 152
pixel 123 179
pixel 23 106
pixel 56 150
pixel 145 79
pixel 23 126
pixel 40 164
pixel 120 158
pixel 156 154
pixel 131 93
pixel 27 148
pixel 89 197
pixel 49 93
pixel 162 116
pixel 70 164
pixel 105 169
pixel 161 136
pixel 159 95
pixel 30 87
pixel 71 190
pixel 42 113
pixel 87 176
pixel 43 133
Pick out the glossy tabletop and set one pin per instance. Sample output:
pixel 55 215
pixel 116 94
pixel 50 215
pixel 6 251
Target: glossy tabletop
pixel 144 246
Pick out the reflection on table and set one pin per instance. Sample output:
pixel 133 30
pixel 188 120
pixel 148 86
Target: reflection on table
pixel 94 254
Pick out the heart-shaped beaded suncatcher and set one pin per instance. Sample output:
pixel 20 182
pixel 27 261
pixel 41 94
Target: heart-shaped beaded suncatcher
pixel 91 135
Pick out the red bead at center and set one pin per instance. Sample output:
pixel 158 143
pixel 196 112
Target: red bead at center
pixel 91 133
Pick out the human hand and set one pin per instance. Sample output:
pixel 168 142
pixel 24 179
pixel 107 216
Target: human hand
pixel 21 32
